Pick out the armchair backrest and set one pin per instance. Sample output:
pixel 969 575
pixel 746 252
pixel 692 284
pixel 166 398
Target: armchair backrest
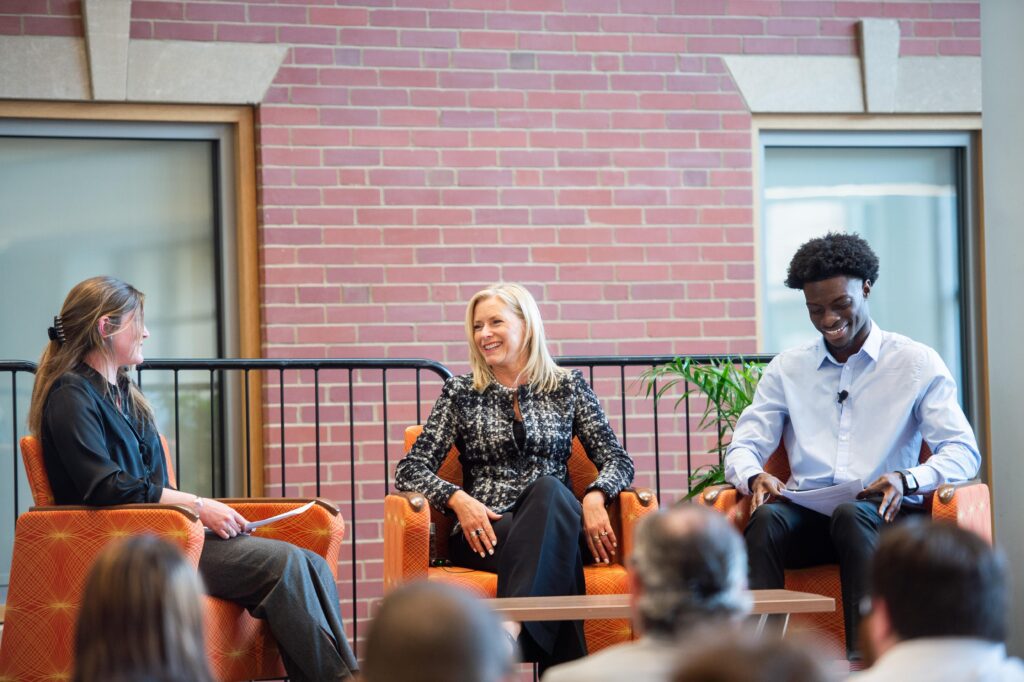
pixel 39 482
pixel 582 473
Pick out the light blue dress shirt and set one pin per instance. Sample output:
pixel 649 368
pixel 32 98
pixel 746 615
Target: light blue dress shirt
pixel 898 392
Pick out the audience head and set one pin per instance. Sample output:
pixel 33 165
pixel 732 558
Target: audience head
pixel 141 617
pixel 935 580
pixel 430 632
pixel 742 657
pixel 689 567
pixel 102 317
pixel 519 330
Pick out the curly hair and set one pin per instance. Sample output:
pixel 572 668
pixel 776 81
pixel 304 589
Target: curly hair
pixel 832 255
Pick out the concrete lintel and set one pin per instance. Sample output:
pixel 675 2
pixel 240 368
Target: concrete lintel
pixel 43 67
pixel 204 73
pixel 880 53
pixel 798 84
pixel 107 26
pixel 939 85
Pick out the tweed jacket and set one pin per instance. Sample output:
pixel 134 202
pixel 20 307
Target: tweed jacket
pixel 495 470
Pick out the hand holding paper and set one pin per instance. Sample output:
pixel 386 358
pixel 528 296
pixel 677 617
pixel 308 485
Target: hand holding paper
pixel 253 525
pixel 825 500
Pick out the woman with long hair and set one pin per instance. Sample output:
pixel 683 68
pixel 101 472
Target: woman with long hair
pixel 142 617
pixel 101 447
pixel 513 419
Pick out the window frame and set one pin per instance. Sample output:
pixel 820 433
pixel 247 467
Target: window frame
pixel 232 127
pixel 961 132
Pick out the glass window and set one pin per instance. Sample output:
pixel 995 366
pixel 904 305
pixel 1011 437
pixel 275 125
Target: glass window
pixel 902 194
pixel 136 201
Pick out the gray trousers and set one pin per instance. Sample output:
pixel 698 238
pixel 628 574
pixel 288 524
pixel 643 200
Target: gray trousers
pixel 294 591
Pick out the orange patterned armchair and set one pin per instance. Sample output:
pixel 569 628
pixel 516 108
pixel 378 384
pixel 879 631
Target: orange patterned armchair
pixel 407 519
pixel 54 546
pixel 966 504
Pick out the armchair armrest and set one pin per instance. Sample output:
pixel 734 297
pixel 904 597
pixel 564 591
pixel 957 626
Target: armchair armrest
pixel 75 528
pixel 54 548
pixel 968 504
pixel 406 538
pixel 725 498
pixel 633 504
pixel 320 529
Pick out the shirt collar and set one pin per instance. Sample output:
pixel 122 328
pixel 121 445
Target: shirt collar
pixel 872 346
pixel 98 381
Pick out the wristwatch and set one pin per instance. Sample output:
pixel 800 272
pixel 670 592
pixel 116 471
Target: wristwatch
pixel 910 484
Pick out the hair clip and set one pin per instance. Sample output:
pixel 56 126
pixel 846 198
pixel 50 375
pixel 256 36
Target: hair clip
pixel 56 332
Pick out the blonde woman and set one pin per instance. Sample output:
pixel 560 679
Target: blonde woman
pixel 101 447
pixel 513 419
pixel 141 617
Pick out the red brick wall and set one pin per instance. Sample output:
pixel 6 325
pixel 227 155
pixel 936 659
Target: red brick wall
pixel 412 151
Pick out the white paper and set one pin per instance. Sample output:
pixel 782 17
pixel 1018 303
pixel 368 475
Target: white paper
pixel 825 500
pixel 253 525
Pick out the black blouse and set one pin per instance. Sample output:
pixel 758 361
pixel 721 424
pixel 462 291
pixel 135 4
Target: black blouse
pixel 495 470
pixel 95 454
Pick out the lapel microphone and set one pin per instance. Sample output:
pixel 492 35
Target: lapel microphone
pixel 842 395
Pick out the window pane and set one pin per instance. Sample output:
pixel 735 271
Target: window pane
pixel 903 201
pixel 141 210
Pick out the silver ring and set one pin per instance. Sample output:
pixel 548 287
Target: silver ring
pixel 604 533
pixel 478 531
pixel 595 537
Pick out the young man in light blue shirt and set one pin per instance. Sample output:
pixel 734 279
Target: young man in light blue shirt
pixel 853 405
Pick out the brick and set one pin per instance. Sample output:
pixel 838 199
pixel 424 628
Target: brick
pixel 483 40
pixel 444 216
pixel 305 35
pixel 246 34
pixel 933 29
pixel 367 37
pixel 714 45
pixel 214 11
pixel 53 26
pixel 701 7
pixel 459 80
pixel 615 216
pixel 503 216
pixel 338 17
pixel 587 235
pixel 461 20
pixel 564 61
pixel 496 100
pixel 429 39
pixel 262 14
pixel 906 10
pixel 378 97
pixel 139 30
pixel 966 48
pixel 347 116
pixel 408 118
pixel 956 10
pixel 499 138
pixel 735 26
pixel 144 9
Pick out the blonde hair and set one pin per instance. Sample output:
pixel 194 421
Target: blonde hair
pixel 141 616
pixel 79 334
pixel 540 368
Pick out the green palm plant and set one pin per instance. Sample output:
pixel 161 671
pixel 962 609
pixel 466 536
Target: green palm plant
pixel 727 384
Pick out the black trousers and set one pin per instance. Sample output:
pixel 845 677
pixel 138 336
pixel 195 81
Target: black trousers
pixel 784 535
pixel 538 555
pixel 294 591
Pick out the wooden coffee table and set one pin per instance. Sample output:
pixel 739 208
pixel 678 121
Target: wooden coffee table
pixel 591 606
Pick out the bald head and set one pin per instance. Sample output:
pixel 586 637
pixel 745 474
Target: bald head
pixel 430 632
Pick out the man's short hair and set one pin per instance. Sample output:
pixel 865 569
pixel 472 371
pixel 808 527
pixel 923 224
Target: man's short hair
pixel 692 566
pixel 830 256
pixel 939 580
pixel 430 632
pixel 716 656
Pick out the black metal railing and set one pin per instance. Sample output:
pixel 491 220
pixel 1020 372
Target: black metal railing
pixel 373 395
